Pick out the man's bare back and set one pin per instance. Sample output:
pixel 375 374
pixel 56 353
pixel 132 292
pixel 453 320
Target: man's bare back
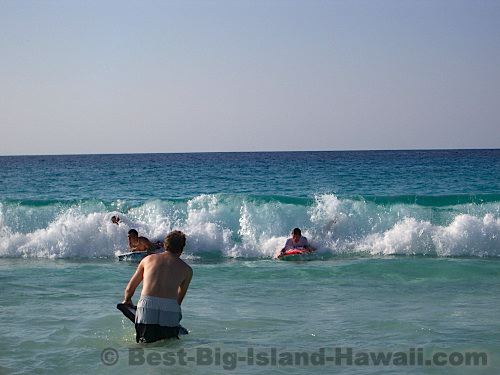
pixel 166 276
pixel 163 275
pixel 142 244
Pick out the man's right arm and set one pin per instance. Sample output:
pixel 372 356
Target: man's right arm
pixel 184 285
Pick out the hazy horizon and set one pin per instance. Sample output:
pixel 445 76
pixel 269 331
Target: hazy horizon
pixel 260 151
pixel 248 76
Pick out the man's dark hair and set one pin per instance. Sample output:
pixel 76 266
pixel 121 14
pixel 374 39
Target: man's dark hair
pixel 134 232
pixel 175 242
pixel 297 232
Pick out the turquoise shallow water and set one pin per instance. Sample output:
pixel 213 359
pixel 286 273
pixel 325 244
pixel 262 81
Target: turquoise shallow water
pixel 408 257
pixel 61 320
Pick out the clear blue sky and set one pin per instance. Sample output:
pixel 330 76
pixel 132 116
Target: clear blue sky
pixel 184 76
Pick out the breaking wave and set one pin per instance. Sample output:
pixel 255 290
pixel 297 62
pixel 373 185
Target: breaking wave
pixel 256 226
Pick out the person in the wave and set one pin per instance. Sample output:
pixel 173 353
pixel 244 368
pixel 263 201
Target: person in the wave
pixel 298 241
pixel 136 243
pixel 166 280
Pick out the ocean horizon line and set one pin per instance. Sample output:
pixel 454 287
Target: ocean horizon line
pixel 254 152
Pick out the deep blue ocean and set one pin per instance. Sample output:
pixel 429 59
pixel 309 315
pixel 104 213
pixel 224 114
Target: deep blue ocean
pixel 408 257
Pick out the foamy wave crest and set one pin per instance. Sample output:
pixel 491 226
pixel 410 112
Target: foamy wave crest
pixel 465 236
pixel 69 235
pixel 249 226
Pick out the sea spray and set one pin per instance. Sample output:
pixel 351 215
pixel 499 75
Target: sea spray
pixel 250 226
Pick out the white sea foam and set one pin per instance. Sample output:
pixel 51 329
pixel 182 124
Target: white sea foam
pixel 469 236
pixel 239 226
pixel 408 236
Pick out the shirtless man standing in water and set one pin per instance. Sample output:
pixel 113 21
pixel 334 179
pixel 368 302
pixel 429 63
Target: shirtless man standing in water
pixel 166 280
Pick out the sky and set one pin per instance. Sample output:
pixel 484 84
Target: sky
pixel 92 77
